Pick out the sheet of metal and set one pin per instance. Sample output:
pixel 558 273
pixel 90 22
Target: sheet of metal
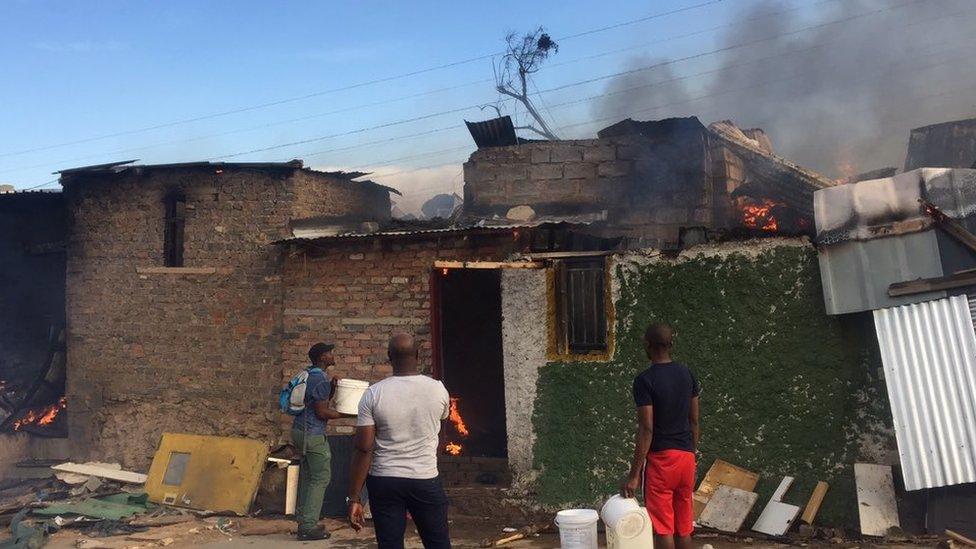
pixel 497 132
pixel 873 233
pixel 856 274
pixel 929 355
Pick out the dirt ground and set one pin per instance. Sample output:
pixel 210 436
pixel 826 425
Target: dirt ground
pixel 466 532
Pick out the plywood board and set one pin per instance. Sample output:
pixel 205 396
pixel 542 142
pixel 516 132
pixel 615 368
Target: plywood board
pixel 208 473
pixel 727 509
pixel 101 472
pixel 776 518
pixel 875 498
pixel 813 504
pixel 722 473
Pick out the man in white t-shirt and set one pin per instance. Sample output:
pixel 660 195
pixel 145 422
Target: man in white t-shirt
pixel 395 453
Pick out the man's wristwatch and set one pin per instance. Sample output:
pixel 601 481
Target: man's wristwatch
pixel 351 500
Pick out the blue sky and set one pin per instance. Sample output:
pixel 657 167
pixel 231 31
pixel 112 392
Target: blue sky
pixel 72 71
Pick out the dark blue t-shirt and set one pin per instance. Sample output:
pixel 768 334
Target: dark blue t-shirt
pixel 318 387
pixel 669 388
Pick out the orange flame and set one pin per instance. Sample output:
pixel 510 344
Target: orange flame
pixel 454 417
pixel 760 216
pixel 43 416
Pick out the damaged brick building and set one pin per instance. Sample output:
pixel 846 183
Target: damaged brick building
pixel 194 290
pixel 174 295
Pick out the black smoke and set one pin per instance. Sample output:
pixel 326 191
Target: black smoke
pixel 839 98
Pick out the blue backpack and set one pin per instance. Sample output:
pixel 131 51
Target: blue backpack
pixel 291 400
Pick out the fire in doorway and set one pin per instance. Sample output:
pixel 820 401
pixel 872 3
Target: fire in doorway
pixel 459 428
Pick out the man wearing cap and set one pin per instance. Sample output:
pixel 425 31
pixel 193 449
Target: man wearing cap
pixel 308 435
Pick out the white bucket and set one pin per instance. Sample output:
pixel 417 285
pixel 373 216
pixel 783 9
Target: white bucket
pixel 347 395
pixel 628 524
pixel 577 528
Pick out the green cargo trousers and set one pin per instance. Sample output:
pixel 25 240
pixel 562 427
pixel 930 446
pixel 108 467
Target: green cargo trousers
pixel 314 474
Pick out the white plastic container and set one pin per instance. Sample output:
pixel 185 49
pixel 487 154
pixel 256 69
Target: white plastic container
pixel 347 395
pixel 627 522
pixel 577 528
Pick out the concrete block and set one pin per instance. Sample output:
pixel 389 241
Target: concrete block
pixel 540 155
pixel 630 151
pixel 579 171
pixel 616 168
pixel 566 153
pixel 511 172
pixel 599 153
pixel 546 171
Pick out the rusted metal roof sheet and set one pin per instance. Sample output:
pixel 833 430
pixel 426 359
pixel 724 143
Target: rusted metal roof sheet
pixel 929 355
pixel 497 132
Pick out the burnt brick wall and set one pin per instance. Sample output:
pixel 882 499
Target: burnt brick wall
pixel 356 293
pixel 317 194
pixel 32 236
pixel 649 189
pixel 193 349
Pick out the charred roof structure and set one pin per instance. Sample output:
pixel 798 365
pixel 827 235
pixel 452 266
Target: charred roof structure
pixel 651 180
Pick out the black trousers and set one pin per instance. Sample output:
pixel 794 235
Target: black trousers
pixel 390 499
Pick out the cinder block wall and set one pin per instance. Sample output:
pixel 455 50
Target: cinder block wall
pixel 193 350
pixel 648 189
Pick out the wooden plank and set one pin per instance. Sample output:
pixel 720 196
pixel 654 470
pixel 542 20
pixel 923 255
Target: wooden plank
pixel 876 505
pixel 923 285
pixel 960 538
pixel 722 473
pixel 564 255
pixel 101 472
pixel 181 270
pixel 727 509
pixel 784 485
pixel 489 265
pixel 813 504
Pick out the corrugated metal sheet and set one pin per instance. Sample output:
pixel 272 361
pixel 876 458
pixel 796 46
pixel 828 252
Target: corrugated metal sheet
pixel 856 275
pixel 497 132
pixel 929 355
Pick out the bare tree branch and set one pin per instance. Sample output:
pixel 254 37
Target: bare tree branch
pixel 524 56
pixel 532 129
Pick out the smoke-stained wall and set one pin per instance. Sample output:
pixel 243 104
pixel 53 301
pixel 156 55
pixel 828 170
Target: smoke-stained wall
pixel 786 390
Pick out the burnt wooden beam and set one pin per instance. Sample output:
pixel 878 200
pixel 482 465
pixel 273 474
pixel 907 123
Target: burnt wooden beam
pixel 922 285
pixel 949 225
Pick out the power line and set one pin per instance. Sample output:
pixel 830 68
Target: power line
pixel 51 182
pixel 350 86
pixel 406 97
pixel 565 86
pixel 617 116
pixel 651 85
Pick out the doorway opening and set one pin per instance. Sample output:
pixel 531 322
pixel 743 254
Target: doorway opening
pixel 469 310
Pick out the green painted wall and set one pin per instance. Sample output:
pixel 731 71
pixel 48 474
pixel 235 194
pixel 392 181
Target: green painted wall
pixel 787 390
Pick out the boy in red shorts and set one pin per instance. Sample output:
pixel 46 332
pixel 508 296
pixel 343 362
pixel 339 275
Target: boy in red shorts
pixel 666 395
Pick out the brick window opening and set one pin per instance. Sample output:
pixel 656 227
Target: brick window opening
pixel 173 233
pixel 582 314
